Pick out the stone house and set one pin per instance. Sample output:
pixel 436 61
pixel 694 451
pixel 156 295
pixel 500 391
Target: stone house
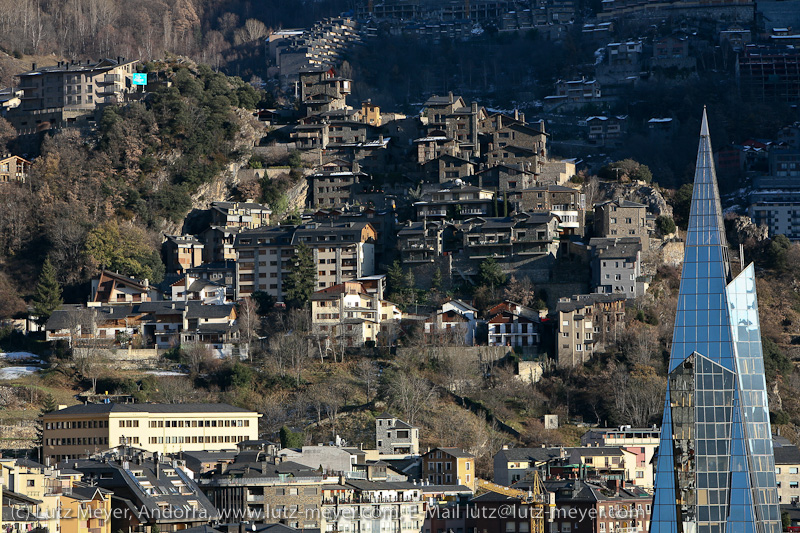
pixel 395 437
pixel 622 218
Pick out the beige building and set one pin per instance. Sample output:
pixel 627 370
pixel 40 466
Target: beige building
pixel 68 93
pixel 621 218
pixel 76 431
pixel 342 252
pixel 787 470
pixel 14 169
pixel 640 441
pixel 449 466
pixel 349 315
pixel 587 322
pixel 247 215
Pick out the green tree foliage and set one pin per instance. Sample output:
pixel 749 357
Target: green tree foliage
pixel 291 439
pixel 778 252
pixel 295 161
pixel 395 277
pixel 264 301
pixel 47 297
pixel 665 225
pixel 490 273
pixel 48 406
pixel 125 249
pixel 775 361
pixel 626 170
pixel 436 279
pixel 681 204
pixel 301 281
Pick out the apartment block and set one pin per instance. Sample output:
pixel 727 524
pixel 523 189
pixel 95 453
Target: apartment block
pixel 247 215
pixel 79 430
pixel 456 202
pixel 449 116
pixel 512 324
pixel 617 267
pixel 421 242
pixel 449 466
pixel 787 471
pixel 149 492
pixel 69 92
pixel 568 204
pixel 333 188
pixel 606 130
pixel 643 442
pixel 182 252
pixel 622 218
pixel 586 323
pixel 519 238
pixel 349 316
pixel 268 491
pixel 294 51
pixel 356 505
pixel 342 252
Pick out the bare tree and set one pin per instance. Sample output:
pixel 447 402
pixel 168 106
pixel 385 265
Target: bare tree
pixel 255 30
pixel 368 372
pixel 409 392
pixel 197 355
pixel 248 321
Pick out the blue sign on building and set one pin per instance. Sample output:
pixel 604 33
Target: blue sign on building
pixel 140 79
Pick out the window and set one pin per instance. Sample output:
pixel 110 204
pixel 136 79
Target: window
pixel 793 470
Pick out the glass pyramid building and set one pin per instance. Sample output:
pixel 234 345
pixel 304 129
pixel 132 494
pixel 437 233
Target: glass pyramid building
pixel 715 470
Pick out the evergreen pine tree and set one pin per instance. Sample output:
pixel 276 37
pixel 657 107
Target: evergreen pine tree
pixel 47 297
pixel 48 406
pixel 302 279
pixel 395 277
pixel 436 280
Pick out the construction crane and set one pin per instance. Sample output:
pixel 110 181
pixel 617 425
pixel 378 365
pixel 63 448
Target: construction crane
pixel 540 501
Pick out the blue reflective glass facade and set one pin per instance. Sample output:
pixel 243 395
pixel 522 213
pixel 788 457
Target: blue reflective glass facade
pixel 715 471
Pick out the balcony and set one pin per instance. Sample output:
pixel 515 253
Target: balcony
pixel 109 79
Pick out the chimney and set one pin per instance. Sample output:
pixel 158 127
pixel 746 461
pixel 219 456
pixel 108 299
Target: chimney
pixel 522 117
pixel 33 66
pixel 516 114
pixel 505 446
pixel 450 96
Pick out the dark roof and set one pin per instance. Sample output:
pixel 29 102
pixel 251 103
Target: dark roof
pixel 79 67
pixel 586 300
pixel 453 451
pixel 86 493
pixel 787 455
pixel 381 485
pixel 199 310
pixel 622 203
pixel 99 408
pixel 530 454
pixel 494 497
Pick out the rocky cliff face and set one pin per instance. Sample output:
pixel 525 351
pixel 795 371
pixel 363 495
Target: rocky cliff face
pixel 741 229
pixel 636 192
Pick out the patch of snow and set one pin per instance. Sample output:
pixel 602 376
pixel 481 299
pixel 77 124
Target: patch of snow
pixel 21 356
pixel 16 372
pixel 164 373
